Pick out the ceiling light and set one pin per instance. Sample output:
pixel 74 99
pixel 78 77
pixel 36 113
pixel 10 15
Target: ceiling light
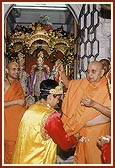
pixel 42 6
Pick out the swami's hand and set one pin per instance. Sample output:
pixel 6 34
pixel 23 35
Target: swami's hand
pixel 60 67
pixel 87 102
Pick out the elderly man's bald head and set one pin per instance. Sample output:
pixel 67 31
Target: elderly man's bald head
pixel 95 71
pixel 97 64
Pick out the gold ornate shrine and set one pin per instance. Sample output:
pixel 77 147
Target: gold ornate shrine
pixel 55 44
pixel 27 44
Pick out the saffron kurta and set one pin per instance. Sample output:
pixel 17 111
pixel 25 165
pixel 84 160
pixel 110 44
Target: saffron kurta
pixel 39 131
pixel 75 116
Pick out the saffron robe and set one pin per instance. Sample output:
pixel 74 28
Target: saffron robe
pixel 13 114
pixel 75 116
pixel 39 131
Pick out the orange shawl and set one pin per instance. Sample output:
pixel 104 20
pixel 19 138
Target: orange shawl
pixel 13 114
pixel 76 116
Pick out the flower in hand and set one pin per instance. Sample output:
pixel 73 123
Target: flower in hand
pixel 103 140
